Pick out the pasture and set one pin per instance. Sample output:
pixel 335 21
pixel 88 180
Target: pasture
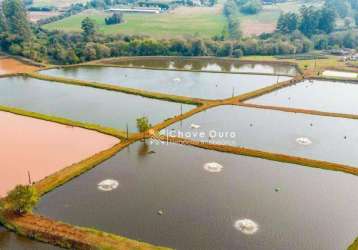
pixel 208 21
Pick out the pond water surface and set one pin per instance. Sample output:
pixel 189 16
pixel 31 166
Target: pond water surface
pixel 41 148
pixel 328 96
pixel 166 196
pixel 193 84
pixel 310 136
pixel 107 108
pixel 206 64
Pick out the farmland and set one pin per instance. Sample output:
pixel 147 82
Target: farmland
pixel 177 23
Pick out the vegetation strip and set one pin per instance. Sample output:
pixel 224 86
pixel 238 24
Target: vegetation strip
pixel 354 245
pixel 296 110
pixel 68 236
pixel 266 155
pixel 110 87
pixel 263 91
pixel 64 121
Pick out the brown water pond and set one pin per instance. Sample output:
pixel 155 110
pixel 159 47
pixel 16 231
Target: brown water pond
pixel 328 96
pixel 205 64
pixel 310 136
pixel 10 66
pixel 42 148
pixel 168 195
pixel 193 84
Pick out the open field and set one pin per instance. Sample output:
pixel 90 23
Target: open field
pixel 35 16
pixel 57 3
pixel 177 23
pixel 266 20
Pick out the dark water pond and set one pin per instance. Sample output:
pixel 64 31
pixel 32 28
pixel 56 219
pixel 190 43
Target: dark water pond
pixel 294 207
pixel 310 136
pixel 107 108
pixel 207 64
pixel 193 84
pixel 329 96
pixel 11 241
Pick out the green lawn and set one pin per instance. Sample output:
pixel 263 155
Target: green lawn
pixel 56 3
pixel 181 22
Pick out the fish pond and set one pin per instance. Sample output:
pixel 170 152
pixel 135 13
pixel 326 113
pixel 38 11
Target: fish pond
pixel 205 64
pixel 85 104
pixel 192 84
pixel 189 198
pixel 44 147
pixel 315 137
pixel 321 95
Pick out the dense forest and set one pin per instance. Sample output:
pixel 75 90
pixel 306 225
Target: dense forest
pixel 310 29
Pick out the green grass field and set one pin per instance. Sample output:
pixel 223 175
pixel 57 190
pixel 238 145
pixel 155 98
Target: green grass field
pixel 56 3
pixel 181 22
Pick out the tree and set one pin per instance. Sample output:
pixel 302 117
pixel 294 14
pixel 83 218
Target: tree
pixel 22 199
pixel 251 7
pixel 116 18
pixel 143 125
pixel 16 18
pixel 327 20
pixel 287 23
pixel 356 18
pixel 340 6
pixel 309 20
pixel 3 23
pixel 88 27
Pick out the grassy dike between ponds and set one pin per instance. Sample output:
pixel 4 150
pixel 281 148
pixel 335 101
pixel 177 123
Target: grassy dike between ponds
pixel 64 121
pixel 110 87
pixel 264 155
pixel 302 111
pixel 354 245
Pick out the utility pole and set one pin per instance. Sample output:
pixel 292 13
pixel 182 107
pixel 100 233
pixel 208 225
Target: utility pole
pixel 127 129
pixel 29 176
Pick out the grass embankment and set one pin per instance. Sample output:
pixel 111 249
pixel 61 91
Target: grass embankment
pixel 181 22
pixel 302 111
pixel 64 175
pixel 110 87
pixel 308 67
pixel 354 245
pixel 68 236
pixel 64 121
pixel 266 155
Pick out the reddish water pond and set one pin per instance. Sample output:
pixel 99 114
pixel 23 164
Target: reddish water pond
pixel 9 66
pixel 42 148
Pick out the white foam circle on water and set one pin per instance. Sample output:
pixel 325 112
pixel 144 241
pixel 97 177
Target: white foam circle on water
pixel 304 141
pixel 108 185
pixel 213 167
pixel 177 79
pixel 246 226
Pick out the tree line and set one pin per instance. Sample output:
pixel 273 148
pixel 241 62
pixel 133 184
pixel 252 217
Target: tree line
pixel 19 37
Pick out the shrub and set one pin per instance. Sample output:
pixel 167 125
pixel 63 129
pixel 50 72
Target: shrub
pixel 22 199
